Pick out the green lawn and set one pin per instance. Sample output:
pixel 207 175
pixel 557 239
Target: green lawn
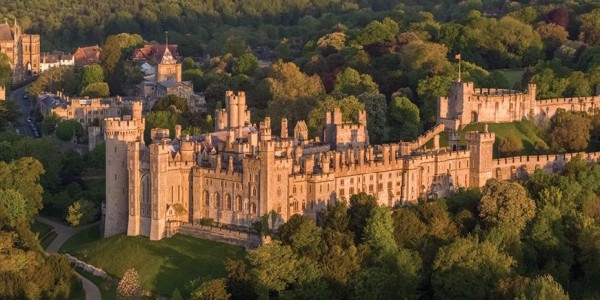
pixel 524 130
pixel 40 228
pixel 162 265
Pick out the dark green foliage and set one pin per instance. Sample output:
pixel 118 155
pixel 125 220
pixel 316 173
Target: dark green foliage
pixel 570 131
pixel 361 205
pixel 179 104
pixel 69 129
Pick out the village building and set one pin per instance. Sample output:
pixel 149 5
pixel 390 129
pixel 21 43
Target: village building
pixel 85 56
pixel 55 59
pixel 162 76
pixel 23 51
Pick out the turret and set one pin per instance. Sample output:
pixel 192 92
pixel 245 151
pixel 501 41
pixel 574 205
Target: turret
pixel 136 110
pixel 481 153
pixel 284 128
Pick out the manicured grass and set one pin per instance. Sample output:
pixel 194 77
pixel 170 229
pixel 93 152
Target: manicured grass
pixel 524 130
pixel 513 75
pixel 162 265
pixel 81 238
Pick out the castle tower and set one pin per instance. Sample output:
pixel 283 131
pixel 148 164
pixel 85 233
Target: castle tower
pixel 117 133
pixel 232 110
pixel 480 165
pixel 168 68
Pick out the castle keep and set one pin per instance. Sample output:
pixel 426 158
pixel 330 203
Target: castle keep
pixel 242 171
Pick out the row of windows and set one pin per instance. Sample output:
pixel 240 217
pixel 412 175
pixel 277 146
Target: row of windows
pixel 227 204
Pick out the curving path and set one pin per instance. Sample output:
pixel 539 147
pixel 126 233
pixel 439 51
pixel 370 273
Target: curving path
pixel 63 234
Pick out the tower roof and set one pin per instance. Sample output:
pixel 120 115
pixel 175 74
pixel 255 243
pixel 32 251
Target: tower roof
pixel 167 58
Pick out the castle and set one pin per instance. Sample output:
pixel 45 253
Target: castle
pixel 467 104
pixel 241 171
pixel 23 50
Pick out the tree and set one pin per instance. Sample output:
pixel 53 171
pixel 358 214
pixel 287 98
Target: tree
pixel 81 213
pixel 215 289
pixel 409 230
pixel 161 119
pixel 332 42
pixel 429 89
pixel 23 177
pixel 579 86
pixel 570 131
pixel 13 206
pixel 505 203
pixel 91 74
pixel 378 233
pixel 177 103
pixel 350 82
pixel 421 59
pixel 50 123
pixel 63 79
pixel 349 106
pixel 549 85
pixel 274 267
pixel 9 113
pixel 544 287
pixel 68 129
pixel 302 234
pixel 129 286
pixel 590 27
pixel 376 107
pixel 293 93
pixel 510 145
pixel 553 36
pixel 176 295
pixel 378 32
pixel 404 119
pixel 246 64
pixel 361 206
pixel 96 90
pixel 5 71
pixel 469 269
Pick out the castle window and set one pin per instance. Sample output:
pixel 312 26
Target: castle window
pixel 206 199
pixel 341 192
pixel 380 187
pixel 380 176
pixel 351 191
pixel 217 200
pixel 389 185
pixel 294 189
pixel 252 208
pixel 303 205
pixel 254 191
pixel 389 175
pixel 279 177
pixel 238 203
pixel 351 180
pixel 227 202
pixel 370 188
pixel 341 181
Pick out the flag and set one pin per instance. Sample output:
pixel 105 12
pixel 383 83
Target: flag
pixel 457 56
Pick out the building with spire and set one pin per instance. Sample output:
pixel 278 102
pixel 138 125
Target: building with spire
pixel 161 67
pixel 23 50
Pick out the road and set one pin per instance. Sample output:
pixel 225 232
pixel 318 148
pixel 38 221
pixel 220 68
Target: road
pixel 63 234
pixel 25 105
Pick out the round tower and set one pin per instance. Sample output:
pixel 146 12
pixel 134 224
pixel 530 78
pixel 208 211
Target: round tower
pixel 117 134
pixel 232 111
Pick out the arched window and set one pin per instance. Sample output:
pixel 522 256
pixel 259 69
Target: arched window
pixel 303 205
pixel 217 200
pixel 252 208
pixel 254 191
pixel 238 203
pixel 227 202
pixel 206 199
pixel 145 206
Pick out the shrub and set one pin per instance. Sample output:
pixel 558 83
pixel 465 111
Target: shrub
pixel 129 286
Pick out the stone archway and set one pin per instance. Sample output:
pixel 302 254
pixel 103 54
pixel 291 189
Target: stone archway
pixel 474 117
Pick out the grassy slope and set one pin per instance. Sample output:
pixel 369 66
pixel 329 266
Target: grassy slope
pixel 162 265
pixel 524 130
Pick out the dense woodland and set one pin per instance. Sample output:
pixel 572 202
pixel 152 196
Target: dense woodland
pixel 534 239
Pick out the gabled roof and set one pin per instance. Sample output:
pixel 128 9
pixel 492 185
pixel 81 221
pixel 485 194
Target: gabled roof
pixel 5 32
pixel 153 53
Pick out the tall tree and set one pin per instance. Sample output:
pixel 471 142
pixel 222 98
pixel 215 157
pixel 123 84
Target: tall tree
pixel 350 82
pixel 505 203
